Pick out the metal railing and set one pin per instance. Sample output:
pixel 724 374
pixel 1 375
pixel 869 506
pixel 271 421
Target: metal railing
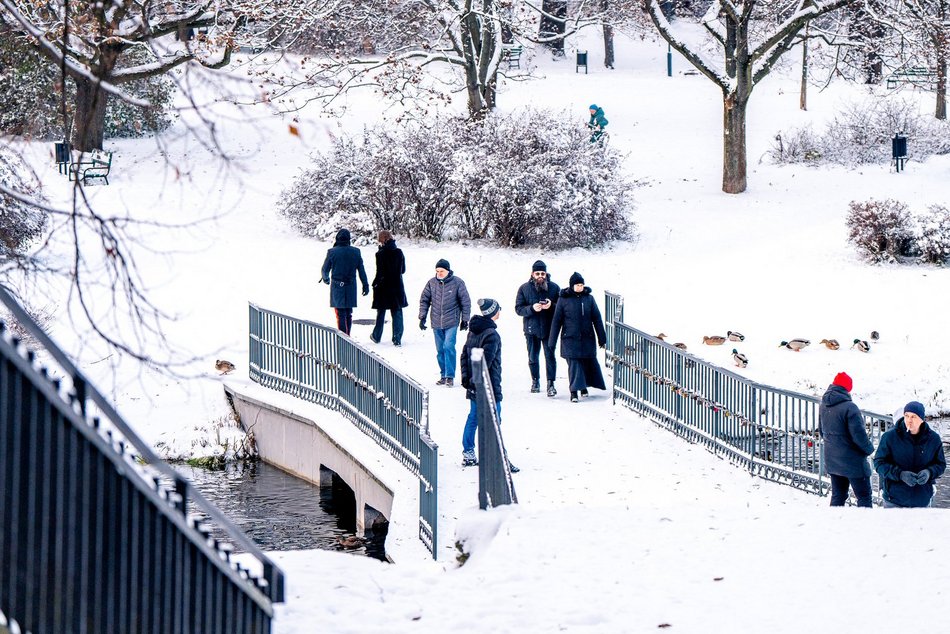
pixel 771 432
pixel 495 485
pixel 91 537
pixel 321 365
pixel 613 313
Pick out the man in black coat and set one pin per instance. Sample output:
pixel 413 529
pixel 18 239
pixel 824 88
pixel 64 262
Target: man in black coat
pixel 482 333
pixel 388 290
pixel 535 302
pixel 579 318
pixel 845 445
pixel 339 270
pixel 909 458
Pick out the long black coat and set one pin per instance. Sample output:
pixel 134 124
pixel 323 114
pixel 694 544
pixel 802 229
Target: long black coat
pixel 482 333
pixel 846 444
pixel 579 318
pixel 339 270
pixel 899 450
pixel 536 323
pixel 388 289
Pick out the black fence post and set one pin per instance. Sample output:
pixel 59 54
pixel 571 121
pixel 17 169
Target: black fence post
pixel 495 486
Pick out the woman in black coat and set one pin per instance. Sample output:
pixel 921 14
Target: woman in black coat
pixel 339 270
pixel 577 319
pixel 388 290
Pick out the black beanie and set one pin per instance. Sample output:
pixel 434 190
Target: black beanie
pixel 576 278
pixel 488 307
pixel 443 264
pixel 539 266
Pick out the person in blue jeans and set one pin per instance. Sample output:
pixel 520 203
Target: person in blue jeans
pixel 845 445
pixel 909 458
pixel 446 299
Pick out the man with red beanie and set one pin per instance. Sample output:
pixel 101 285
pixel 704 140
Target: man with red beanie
pixel 846 445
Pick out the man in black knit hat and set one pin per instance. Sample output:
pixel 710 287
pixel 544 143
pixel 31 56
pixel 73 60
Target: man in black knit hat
pixel 535 303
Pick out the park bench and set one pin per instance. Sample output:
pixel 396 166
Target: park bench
pixel 512 55
pixel 917 75
pixel 98 166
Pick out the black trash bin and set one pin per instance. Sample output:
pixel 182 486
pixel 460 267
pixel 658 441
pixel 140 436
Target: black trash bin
pixel 581 61
pixel 63 153
pixel 899 150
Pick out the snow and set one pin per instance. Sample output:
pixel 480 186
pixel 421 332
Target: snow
pixel 622 526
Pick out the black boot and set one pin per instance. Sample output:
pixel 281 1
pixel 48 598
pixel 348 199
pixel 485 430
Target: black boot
pixel 551 390
pixel 535 386
pixel 573 396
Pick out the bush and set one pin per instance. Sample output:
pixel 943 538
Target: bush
pixel 881 230
pixel 933 235
pixel 19 222
pixel 534 179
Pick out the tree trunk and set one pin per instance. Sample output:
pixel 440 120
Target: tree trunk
pixel 803 96
pixel 89 116
pixel 941 111
pixel 608 46
pixel 550 27
pixel 733 144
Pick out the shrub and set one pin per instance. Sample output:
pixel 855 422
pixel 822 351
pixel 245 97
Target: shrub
pixel 19 222
pixel 882 230
pixel 933 235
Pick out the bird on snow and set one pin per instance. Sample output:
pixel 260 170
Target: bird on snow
pixel 715 340
pixel 735 336
pixel 831 344
pixel 861 345
pixel 795 344
pixel 224 367
pixel 875 335
pixel 740 359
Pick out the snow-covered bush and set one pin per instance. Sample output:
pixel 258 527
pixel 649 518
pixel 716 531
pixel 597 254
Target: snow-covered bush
pixel 933 234
pixel 882 230
pixel 19 222
pixel 862 134
pixel 530 179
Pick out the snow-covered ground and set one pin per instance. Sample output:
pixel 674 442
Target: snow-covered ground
pixel 622 527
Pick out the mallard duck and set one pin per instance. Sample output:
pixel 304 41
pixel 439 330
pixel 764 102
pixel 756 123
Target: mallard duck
pixel 875 335
pixel 715 340
pixel 735 336
pixel 796 344
pixel 224 367
pixel 740 359
pixel 861 345
pixel 661 336
pixel 351 542
pixel 831 344
pixel 680 345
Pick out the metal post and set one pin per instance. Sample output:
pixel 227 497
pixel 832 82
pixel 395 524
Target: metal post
pixel 669 60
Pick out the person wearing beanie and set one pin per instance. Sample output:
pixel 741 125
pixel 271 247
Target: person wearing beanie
pixel 909 458
pixel 597 122
pixel 578 322
pixel 535 303
pixel 445 299
pixel 845 443
pixel 340 268
pixel 389 292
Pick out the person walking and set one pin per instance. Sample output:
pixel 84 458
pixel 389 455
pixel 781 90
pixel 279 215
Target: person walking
pixel 535 302
pixel 389 293
pixel 482 333
pixel 446 298
pixel 597 122
pixel 908 459
pixel 577 319
pixel 845 445
pixel 340 268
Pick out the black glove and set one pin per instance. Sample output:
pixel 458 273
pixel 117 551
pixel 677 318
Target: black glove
pixel 923 476
pixel 422 324
pixel 463 325
pixel 909 478
pixel 365 291
pixel 603 345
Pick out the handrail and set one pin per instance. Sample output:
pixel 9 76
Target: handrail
pixel 495 484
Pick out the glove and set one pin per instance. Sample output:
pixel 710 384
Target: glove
pixel 422 324
pixel 463 325
pixel 603 345
pixel 923 476
pixel 909 478
pixel 365 291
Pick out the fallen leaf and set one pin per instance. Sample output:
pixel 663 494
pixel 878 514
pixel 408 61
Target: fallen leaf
pixel 294 130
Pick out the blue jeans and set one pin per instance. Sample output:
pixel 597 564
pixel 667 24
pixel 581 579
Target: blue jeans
pixel 839 490
pixel 397 324
pixel 471 424
pixel 445 350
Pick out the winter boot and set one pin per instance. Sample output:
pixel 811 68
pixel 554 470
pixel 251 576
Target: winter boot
pixel 551 390
pixel 573 396
pixel 469 459
pixel 441 381
pixel 535 386
pixel 449 382
pixel 584 393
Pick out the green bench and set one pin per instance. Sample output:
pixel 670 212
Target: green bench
pixel 917 75
pixel 98 165
pixel 512 56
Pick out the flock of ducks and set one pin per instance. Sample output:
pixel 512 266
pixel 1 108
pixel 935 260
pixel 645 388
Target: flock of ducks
pixel 796 345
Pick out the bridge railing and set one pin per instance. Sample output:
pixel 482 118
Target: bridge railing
pixel 94 532
pixel 613 313
pixel 771 432
pixel 321 365
pixel 495 485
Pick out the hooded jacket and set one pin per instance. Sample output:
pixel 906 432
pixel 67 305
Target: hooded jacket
pixel 448 299
pixel 846 445
pixel 598 120
pixel 482 333
pixel 388 290
pixel 339 270
pixel 900 450
pixel 536 323
pixel 579 318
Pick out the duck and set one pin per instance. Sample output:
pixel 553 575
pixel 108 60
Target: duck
pixel 831 344
pixel 861 345
pixel 715 340
pixel 351 542
pixel 735 336
pixel 224 367
pixel 680 345
pixel 741 360
pixel 875 335
pixel 796 344
pixel 661 336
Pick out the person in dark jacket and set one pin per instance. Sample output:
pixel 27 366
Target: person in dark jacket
pixel 579 318
pixel 482 333
pixel 597 122
pixel 909 458
pixel 388 290
pixel 446 297
pixel 340 267
pixel 536 302
pixel 846 445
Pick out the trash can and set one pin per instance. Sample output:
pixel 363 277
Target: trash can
pixel 899 150
pixel 581 61
pixel 63 153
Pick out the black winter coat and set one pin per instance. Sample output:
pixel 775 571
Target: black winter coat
pixel 536 323
pixel 482 333
pixel 339 270
pixel 846 444
pixel 899 450
pixel 388 289
pixel 577 314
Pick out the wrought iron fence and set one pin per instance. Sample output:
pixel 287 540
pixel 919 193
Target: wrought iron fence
pixel 613 313
pixel 319 364
pixel 771 432
pixel 91 537
pixel 495 485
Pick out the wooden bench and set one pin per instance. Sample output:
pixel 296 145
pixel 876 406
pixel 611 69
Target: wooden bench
pixel 97 166
pixel 918 75
pixel 512 55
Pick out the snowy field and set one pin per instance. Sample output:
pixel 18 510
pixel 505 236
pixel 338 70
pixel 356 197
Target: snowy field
pixel 622 527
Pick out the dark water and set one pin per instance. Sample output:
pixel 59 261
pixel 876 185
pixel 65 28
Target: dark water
pixel 281 512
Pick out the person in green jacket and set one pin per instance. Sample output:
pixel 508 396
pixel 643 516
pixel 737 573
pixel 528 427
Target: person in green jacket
pixel 597 122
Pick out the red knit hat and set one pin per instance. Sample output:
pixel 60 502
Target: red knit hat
pixel 843 380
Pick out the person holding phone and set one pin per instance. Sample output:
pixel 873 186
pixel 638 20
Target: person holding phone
pixel 535 303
